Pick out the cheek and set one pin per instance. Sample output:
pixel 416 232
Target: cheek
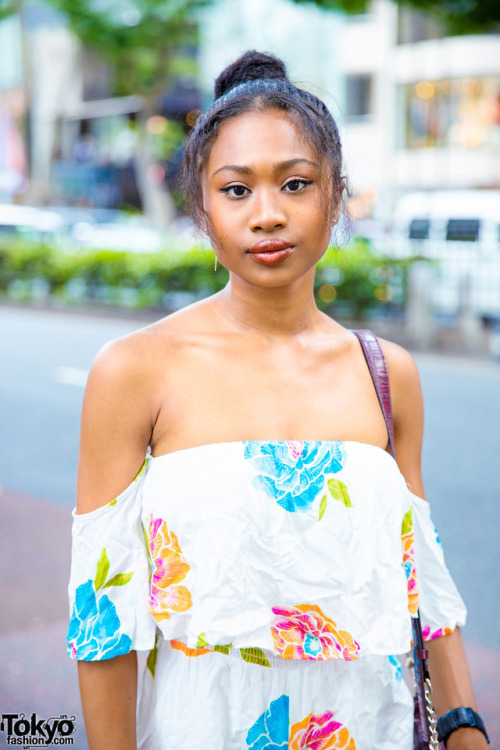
pixel 225 219
pixel 210 206
pixel 218 227
pixel 210 216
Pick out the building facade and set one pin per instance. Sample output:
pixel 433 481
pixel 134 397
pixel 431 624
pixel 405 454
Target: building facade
pixel 13 107
pixel 417 110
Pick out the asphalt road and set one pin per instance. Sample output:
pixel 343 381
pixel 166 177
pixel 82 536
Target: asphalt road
pixel 44 359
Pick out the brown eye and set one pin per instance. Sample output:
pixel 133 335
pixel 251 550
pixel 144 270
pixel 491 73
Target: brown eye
pixel 235 191
pixel 294 186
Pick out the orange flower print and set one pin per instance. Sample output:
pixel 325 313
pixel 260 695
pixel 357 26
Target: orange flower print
pixel 320 732
pixel 168 569
pixel 180 646
pixel 407 541
pixel 304 632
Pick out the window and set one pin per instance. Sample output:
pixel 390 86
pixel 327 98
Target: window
pixel 358 96
pixel 419 229
pixel 461 112
pixel 462 230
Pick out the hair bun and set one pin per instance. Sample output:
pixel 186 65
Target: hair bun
pixel 251 66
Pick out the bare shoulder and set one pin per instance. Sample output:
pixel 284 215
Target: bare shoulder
pixel 135 358
pixel 124 396
pixel 402 368
pixel 120 409
pixel 125 360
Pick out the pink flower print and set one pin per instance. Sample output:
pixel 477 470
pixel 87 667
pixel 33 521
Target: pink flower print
pixel 295 448
pixel 320 732
pixel 169 568
pixel 304 632
pixel 428 636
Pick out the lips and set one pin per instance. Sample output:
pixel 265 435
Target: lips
pixel 269 246
pixel 269 252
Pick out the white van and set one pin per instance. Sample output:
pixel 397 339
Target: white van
pixel 426 223
pixel 460 230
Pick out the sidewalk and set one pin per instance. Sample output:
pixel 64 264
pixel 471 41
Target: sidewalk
pixel 36 675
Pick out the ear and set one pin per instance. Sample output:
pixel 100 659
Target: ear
pixel 204 221
pixel 337 205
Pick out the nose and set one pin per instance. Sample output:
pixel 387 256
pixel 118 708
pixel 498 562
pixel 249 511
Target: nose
pixel 267 211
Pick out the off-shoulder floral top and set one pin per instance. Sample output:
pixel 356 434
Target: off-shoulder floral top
pixel 271 584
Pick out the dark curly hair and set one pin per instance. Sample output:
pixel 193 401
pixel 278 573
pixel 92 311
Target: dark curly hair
pixel 258 81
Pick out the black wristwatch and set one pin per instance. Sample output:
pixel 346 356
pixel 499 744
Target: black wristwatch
pixel 457 718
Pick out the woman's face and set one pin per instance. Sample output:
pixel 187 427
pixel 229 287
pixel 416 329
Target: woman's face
pixel 268 204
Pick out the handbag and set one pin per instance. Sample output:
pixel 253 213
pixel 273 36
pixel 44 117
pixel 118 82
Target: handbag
pixel 425 735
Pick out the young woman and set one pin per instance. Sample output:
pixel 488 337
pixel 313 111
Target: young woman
pixel 257 555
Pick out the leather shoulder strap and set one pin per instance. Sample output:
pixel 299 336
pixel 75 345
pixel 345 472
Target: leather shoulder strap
pixel 378 370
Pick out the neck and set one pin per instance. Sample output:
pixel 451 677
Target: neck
pixel 280 311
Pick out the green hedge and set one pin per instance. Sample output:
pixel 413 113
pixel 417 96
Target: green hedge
pixel 352 281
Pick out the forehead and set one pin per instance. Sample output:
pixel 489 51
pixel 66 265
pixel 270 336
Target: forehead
pixel 259 137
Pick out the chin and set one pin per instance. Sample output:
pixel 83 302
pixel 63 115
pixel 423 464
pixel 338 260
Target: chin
pixel 269 277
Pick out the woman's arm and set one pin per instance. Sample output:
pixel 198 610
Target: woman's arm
pixel 108 690
pixel 451 684
pixel 118 417
pixel 451 687
pixel 117 420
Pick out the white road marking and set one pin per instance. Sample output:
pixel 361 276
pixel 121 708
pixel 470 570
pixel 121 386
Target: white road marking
pixel 71 376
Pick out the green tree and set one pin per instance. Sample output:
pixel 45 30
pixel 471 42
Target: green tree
pixel 456 16
pixel 144 43
pixel 141 39
pixel 6 8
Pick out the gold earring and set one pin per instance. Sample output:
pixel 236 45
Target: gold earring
pixel 215 266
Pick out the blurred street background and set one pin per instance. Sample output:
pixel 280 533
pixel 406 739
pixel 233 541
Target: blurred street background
pixel 96 99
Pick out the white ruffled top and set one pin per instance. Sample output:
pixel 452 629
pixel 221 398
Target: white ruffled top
pixel 299 550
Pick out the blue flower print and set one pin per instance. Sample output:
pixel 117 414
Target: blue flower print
pixel 294 472
pixel 408 566
pixel 396 666
pixel 312 646
pixel 94 628
pixel 438 540
pixel 270 731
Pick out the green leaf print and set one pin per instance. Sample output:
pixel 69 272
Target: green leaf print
pixel 339 492
pixel 224 649
pixel 322 506
pixel 151 660
pixel 120 579
pixel 102 570
pixel 202 641
pixel 407 524
pixel 255 656
pixel 141 471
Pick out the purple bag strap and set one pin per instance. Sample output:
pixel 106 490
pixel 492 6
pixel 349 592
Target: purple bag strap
pixel 378 370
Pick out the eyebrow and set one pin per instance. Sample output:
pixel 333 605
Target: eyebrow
pixel 280 167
